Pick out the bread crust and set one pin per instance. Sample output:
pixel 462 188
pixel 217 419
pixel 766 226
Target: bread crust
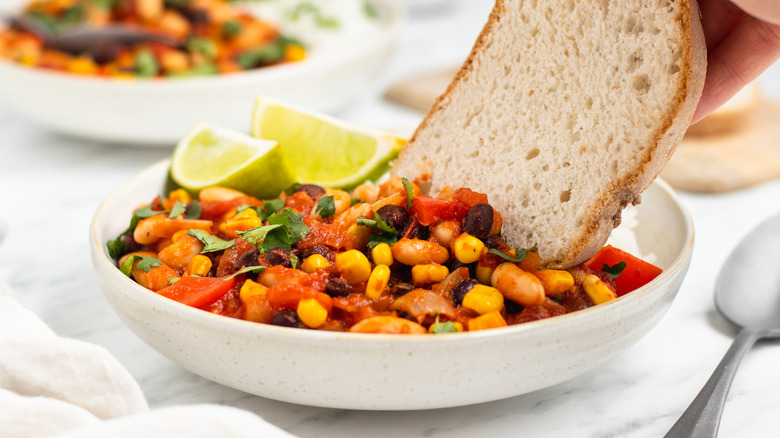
pixel 606 212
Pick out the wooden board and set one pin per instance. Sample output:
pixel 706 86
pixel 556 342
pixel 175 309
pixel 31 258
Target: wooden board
pixel 730 161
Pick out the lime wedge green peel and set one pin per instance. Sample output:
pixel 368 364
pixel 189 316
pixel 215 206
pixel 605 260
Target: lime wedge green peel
pixel 213 156
pixel 324 150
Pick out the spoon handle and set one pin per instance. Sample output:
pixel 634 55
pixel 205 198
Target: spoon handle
pixel 702 418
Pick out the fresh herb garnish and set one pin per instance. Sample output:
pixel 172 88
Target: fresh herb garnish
pixel 117 248
pixel 308 7
pixel 293 260
pixel 293 221
pixel 326 207
pixel 290 190
pixel 144 263
pixel 443 327
pixel 409 192
pixel 194 210
pixel 271 53
pixel 231 28
pixel 383 233
pixel 271 207
pixel 613 271
pixel 145 212
pixel 211 242
pixel 245 270
pixel 173 280
pixel 146 64
pixel 519 253
pixel 204 46
pixel 177 209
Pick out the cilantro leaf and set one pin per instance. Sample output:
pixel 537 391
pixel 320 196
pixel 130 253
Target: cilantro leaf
pixel 519 253
pixel 268 237
pixel 147 263
pixel 145 212
pixel 144 263
pixel 613 271
pixel 297 229
pixel 326 207
pixel 377 238
pixel 245 270
pixel 177 209
pixel 443 327
pixel 194 210
pixel 293 260
pixel 409 192
pixel 173 280
pixel 271 207
pixel 290 190
pixel 117 248
pixel 212 243
pixel 377 224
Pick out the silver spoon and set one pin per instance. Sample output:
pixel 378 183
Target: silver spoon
pixel 747 293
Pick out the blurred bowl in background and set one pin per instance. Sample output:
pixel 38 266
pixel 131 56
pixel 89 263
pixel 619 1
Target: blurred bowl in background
pixel 158 112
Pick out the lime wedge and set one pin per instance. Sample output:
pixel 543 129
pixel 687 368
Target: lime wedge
pixel 324 150
pixel 214 156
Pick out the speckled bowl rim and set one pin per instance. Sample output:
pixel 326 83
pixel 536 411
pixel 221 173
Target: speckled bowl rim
pixel 299 335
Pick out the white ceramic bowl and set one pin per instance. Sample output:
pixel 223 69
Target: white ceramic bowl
pixel 396 372
pixel 159 112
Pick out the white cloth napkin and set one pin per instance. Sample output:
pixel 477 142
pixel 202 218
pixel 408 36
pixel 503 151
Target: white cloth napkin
pixel 56 387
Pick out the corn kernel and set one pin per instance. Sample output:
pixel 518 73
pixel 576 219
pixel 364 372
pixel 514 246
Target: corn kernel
pixel 199 265
pixel 294 53
pixel 483 273
pixel 247 213
pixel 467 248
pixel 180 195
pixel 433 273
pixel 597 291
pixel 231 227
pixel 382 255
pixel 487 321
pixel 314 262
pixel 82 66
pixel 311 312
pixel 377 282
pixel 353 266
pixel 251 289
pixel 483 299
pixel 555 282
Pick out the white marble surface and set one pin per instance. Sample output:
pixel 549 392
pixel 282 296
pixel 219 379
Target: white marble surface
pixel 50 186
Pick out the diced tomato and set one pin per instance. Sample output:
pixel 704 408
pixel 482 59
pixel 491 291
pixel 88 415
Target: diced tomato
pixel 331 235
pixel 469 197
pixel 636 274
pixel 300 202
pixel 287 296
pixel 432 210
pixel 198 291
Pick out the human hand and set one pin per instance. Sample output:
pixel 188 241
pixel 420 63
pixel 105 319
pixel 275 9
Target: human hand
pixel 743 40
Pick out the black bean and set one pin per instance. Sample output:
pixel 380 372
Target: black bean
pixel 401 289
pixel 461 289
pixel 336 287
pixel 417 231
pixel 105 53
pixel 479 221
pixel 406 315
pixel 247 259
pixel 395 216
pixel 196 16
pixel 279 257
pixel 130 244
pixel 512 307
pixel 314 191
pixel 318 249
pixel 287 318
pixel 493 241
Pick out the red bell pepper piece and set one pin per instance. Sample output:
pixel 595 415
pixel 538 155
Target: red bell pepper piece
pixel 198 291
pixel 432 210
pixel 636 274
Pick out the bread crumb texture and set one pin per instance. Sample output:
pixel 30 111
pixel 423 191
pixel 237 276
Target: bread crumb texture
pixel 559 100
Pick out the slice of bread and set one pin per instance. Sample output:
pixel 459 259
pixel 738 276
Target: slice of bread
pixel 730 116
pixel 563 113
